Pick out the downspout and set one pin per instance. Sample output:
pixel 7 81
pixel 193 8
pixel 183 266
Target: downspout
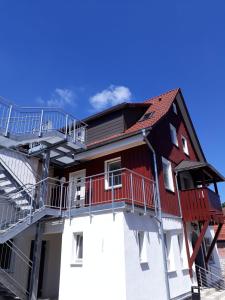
pixel 159 217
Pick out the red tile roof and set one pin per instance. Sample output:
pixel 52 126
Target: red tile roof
pixel 160 105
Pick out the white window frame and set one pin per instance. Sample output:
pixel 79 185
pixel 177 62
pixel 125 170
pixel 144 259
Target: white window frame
pixel 75 259
pixel 185 145
pixel 175 108
pixel 107 163
pixel 169 251
pixel 142 246
pixel 173 135
pixel 170 185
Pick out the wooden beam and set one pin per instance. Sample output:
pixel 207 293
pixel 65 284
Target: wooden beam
pixel 213 242
pixel 198 243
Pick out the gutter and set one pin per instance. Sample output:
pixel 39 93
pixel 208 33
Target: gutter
pixel 159 217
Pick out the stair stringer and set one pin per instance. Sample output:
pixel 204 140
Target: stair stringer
pixel 27 222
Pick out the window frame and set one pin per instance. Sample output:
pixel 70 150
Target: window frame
pixel 170 186
pixel 106 164
pixel 142 247
pixel 173 135
pixel 169 251
pixel 185 145
pixel 75 259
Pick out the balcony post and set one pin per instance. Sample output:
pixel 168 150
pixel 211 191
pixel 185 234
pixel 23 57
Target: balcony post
pixel 90 195
pixel 8 121
pixel 112 193
pixel 41 122
pixel 144 198
pixel 66 126
pixel 132 191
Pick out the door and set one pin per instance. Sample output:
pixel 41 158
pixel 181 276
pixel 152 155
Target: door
pixel 77 189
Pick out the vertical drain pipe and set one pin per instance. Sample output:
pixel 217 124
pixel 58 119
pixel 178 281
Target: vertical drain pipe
pixel 159 213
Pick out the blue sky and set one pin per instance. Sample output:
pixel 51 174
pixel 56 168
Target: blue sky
pixel 77 54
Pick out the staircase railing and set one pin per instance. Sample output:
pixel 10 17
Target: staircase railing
pixel 15 269
pixel 15 120
pixel 208 279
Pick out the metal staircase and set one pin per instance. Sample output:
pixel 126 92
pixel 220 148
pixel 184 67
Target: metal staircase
pixel 40 129
pixel 26 205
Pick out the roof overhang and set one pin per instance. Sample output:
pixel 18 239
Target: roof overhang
pixel 201 170
pixel 112 147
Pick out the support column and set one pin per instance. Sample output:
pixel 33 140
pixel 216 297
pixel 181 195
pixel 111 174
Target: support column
pixel 41 200
pixel 213 243
pixel 36 261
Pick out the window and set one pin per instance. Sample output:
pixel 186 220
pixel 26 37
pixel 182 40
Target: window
pixel 180 239
pixel 173 134
pixel 142 244
pixel 77 249
pixel 174 108
pixel 167 174
pixel 113 176
pixel 169 252
pixel 147 116
pixel 185 145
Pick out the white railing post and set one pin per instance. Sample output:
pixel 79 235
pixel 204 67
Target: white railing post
pixel 41 121
pixel 112 192
pixel 31 204
pixel 74 131
pixel 144 198
pixel 8 121
pixel 90 195
pixel 132 191
pixel 61 196
pixel 66 132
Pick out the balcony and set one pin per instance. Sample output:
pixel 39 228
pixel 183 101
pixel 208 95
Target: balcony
pixel 105 189
pixel 201 204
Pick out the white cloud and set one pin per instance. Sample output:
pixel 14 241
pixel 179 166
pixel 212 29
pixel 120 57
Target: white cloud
pixel 59 98
pixel 111 96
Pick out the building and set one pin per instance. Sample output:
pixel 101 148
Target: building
pixel 116 206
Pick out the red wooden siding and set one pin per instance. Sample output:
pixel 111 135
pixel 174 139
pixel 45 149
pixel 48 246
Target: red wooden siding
pixel 161 141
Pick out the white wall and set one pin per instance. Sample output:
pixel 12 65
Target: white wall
pixel 102 275
pixel 20 167
pixel 143 281
pixel 179 279
pixel 51 274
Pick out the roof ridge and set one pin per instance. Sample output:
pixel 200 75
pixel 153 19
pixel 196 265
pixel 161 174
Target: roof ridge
pixel 163 94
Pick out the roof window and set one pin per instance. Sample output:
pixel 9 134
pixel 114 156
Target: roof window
pixel 147 116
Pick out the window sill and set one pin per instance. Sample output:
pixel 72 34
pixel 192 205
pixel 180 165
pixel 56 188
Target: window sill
pixel 77 264
pixel 169 190
pixel 171 271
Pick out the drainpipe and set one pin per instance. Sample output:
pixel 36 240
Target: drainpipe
pixel 159 218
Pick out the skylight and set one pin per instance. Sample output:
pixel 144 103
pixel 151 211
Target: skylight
pixel 147 116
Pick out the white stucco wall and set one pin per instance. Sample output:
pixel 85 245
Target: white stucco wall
pixel 180 281
pixel 102 275
pixel 144 281
pixel 20 167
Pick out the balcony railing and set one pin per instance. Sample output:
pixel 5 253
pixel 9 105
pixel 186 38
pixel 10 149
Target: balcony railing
pixel 88 192
pixel 15 120
pixel 200 204
pixel 105 188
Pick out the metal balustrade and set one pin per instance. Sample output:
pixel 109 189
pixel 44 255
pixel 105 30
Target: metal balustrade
pixel 15 120
pixel 209 279
pixel 106 188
